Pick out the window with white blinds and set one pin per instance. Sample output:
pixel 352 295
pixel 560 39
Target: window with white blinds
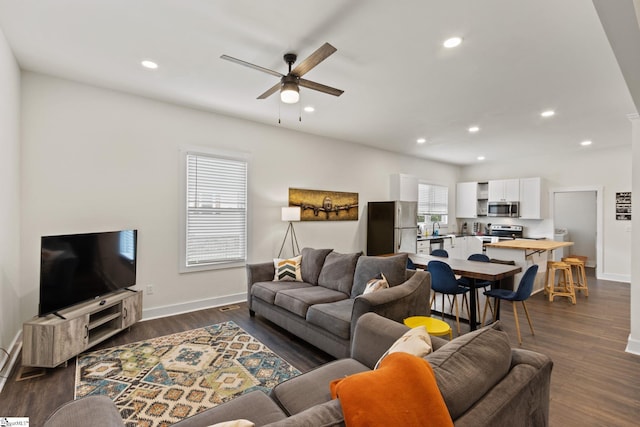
pixel 216 212
pixel 433 203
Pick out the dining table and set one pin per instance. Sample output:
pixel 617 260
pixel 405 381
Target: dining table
pixel 476 271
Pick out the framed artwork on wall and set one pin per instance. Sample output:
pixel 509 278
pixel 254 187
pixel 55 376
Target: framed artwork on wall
pixel 320 205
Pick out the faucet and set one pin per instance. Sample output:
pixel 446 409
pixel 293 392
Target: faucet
pixel 433 231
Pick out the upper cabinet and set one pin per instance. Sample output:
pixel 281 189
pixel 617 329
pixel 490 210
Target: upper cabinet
pixel 467 199
pixel 404 187
pixel 507 190
pixel 532 204
pixel 472 197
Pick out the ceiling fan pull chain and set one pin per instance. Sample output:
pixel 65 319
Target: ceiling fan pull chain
pixel 278 112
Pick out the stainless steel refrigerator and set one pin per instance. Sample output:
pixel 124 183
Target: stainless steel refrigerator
pixel 391 227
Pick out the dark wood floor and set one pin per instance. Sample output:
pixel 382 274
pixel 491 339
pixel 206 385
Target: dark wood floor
pixel 594 382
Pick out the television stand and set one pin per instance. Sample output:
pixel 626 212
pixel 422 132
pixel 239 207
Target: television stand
pixel 51 340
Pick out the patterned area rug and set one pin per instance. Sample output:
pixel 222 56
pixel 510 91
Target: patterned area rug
pixel 163 380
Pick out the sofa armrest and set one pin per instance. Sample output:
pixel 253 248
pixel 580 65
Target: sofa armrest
pixel 522 356
pixel 261 272
pixel 373 336
pixel 86 411
pixel 410 298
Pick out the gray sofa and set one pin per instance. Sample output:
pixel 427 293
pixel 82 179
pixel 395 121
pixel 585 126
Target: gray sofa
pixel 323 308
pixel 483 381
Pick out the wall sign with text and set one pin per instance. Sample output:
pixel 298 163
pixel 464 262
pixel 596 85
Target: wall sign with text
pixel 623 206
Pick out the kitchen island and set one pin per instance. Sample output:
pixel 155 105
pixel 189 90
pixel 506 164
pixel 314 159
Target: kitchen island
pixel 526 252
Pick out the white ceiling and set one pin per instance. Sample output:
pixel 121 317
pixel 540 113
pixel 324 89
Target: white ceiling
pixel 517 59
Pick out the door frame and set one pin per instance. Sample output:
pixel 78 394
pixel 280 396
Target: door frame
pixel 599 218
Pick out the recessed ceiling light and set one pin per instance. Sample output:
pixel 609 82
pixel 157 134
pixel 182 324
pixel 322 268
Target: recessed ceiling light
pixel 480 158
pixel 452 42
pixel 149 64
pixel 309 109
pixel 547 113
pixel 585 143
pixel 474 129
pixel 421 140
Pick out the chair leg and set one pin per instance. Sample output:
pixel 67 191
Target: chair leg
pixel 484 312
pixel 515 317
pixel 528 318
pixel 442 311
pixel 433 299
pixel 455 303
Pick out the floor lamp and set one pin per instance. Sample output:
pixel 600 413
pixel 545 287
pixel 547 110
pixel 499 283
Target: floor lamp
pixel 290 215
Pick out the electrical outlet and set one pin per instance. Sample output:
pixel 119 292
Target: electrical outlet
pixel 149 290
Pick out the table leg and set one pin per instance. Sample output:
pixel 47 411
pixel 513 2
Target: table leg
pixel 472 303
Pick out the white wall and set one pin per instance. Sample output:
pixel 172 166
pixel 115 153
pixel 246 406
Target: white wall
pixel 609 169
pixel 96 159
pixel 633 344
pixel 10 317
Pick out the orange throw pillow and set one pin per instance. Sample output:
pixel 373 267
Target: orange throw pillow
pixel 401 392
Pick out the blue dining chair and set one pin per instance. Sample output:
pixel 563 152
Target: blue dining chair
pixel 521 294
pixel 440 252
pixel 444 282
pixel 466 281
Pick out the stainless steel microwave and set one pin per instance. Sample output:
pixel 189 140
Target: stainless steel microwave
pixel 509 209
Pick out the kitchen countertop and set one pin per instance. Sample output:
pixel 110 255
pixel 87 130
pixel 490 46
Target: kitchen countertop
pixel 528 244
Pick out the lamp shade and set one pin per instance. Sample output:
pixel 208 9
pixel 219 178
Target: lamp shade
pixel 291 214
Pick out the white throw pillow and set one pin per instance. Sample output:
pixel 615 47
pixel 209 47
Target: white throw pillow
pixel 416 341
pixel 288 269
pixel 376 284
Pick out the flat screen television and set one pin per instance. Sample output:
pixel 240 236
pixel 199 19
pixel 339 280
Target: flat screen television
pixel 80 267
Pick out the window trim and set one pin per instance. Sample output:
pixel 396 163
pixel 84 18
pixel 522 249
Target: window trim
pixel 221 154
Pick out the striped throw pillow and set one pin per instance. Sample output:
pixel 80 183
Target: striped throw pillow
pixel 288 269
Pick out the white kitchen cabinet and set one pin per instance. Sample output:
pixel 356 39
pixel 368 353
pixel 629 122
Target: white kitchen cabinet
pixel 404 187
pixel 532 200
pixel 504 190
pixel 424 247
pixel 473 245
pixel 455 247
pixel 467 200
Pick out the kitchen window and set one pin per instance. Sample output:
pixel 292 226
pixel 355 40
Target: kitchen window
pixel 433 204
pixel 214 228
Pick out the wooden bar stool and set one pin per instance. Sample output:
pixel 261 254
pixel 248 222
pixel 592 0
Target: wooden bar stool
pixel 577 263
pixel 564 287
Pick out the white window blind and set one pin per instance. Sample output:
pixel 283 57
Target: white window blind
pixel 433 200
pixel 216 211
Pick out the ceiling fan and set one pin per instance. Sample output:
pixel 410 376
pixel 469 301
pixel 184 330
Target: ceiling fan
pixel 289 84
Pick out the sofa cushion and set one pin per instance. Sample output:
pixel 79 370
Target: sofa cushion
pixel 288 269
pixel 469 366
pixel 267 291
pixel 402 392
pixel 393 267
pixel 337 271
pixel 312 388
pixel 298 301
pixel 312 262
pixel 334 317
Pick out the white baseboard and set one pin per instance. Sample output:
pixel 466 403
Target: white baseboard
pixel 633 346
pixel 186 307
pixel 10 361
pixel 615 277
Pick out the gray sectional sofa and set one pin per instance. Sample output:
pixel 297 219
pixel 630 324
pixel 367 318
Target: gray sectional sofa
pixel 482 380
pixel 323 308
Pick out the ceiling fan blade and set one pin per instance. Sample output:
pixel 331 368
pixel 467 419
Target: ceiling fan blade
pixel 250 65
pixel 270 92
pixel 322 53
pixel 320 87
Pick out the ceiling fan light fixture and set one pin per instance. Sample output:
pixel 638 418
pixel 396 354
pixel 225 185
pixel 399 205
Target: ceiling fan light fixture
pixel 289 94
